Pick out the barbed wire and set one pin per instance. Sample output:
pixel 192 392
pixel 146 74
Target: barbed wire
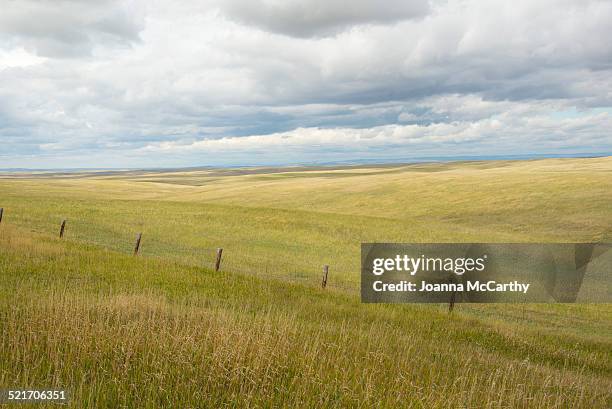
pixel 194 256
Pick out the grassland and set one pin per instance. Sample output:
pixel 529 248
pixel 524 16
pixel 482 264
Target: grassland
pixel 162 330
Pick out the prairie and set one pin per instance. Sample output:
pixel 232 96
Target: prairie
pixel 163 330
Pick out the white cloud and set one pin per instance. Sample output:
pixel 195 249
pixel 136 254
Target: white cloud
pixel 18 57
pixel 109 78
pixel 503 130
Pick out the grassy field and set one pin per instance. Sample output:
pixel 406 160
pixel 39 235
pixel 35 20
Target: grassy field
pixel 162 330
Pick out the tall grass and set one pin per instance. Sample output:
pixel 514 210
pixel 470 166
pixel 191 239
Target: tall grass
pixel 119 331
pixel 288 227
pixel 163 330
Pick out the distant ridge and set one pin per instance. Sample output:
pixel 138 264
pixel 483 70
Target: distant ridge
pixel 346 162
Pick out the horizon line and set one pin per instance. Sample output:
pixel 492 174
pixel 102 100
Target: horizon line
pixel 347 162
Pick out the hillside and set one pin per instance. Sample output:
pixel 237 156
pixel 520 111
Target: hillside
pixel 164 330
pixel 119 331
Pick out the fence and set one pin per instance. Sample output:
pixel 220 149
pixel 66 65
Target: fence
pixel 215 258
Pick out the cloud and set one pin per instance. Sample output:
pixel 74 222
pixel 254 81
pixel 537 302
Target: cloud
pixel 18 57
pixel 69 28
pixel 118 81
pixel 503 132
pixel 311 18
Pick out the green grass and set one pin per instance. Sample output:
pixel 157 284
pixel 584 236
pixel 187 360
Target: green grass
pixel 162 330
pixel 290 227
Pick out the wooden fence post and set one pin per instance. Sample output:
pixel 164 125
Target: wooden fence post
pixel 325 273
pixel 451 303
pixel 137 247
pixel 62 228
pixel 218 261
pixel 1 213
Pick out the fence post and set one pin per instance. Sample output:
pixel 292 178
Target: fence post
pixel 137 247
pixel 325 273
pixel 1 213
pixel 218 260
pixel 451 303
pixel 62 228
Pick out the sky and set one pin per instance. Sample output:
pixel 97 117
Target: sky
pixel 160 83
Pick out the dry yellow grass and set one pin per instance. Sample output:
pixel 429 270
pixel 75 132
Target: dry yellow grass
pixel 162 330
pixel 119 331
